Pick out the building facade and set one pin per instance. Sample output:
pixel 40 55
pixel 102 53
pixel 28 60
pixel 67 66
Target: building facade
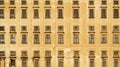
pixel 59 33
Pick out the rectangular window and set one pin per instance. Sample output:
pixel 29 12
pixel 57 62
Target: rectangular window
pixel 104 28
pixel 24 62
pixel 91 13
pixel 91 62
pixel 60 38
pixel 1 2
pixel 60 63
pixel 24 39
pixel 13 53
pixel 24 53
pixel 47 13
pixel 47 2
pixel 103 13
pixel 76 62
pixel 60 54
pixel 115 2
pixel 115 38
pixel 36 63
pixel 91 2
pixel 104 2
pixel 12 2
pixel 2 39
pixel 75 13
pixel 47 39
pixel 115 28
pixel 12 13
pixel 104 54
pixel 24 13
pixel 12 28
pixel 1 13
pixel 48 62
pixel 36 13
pixel 24 2
pixel 91 53
pixel 47 28
pixel 103 38
pixel 60 28
pixel 75 2
pixel 91 38
pixel 116 13
pixel 75 28
pixel 91 28
pixel 13 38
pixel 48 54
pixel 2 28
pixel 36 28
pixel 116 54
pixel 116 63
pixel 2 53
pixel 24 28
pixel 60 2
pixel 36 38
pixel 36 53
pixel 36 2
pixel 76 38
pixel 76 54
pixel 60 13
pixel 104 63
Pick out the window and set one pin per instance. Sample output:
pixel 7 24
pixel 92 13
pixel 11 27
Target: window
pixel 13 38
pixel 47 39
pixel 36 63
pixel 60 28
pixel 24 13
pixel 60 38
pixel 36 2
pixel 24 28
pixel 104 63
pixel 91 39
pixel 104 54
pixel 116 13
pixel 60 54
pixel 12 28
pixel 91 53
pixel 24 2
pixel 24 39
pixel 115 28
pixel 60 13
pixel 12 13
pixel 36 38
pixel 48 54
pixel 47 13
pixel 36 53
pixel 104 28
pixel 91 2
pixel 2 39
pixel 47 2
pixel 116 54
pixel 76 38
pixel 1 13
pixel 48 62
pixel 116 2
pixel 103 13
pixel 60 2
pixel 115 38
pixel 24 62
pixel 76 13
pixel 60 63
pixel 75 2
pixel 1 2
pixel 36 13
pixel 75 28
pixel 91 13
pixel 36 28
pixel 103 38
pixel 104 2
pixel 12 53
pixel 91 62
pixel 116 63
pixel 24 53
pixel 47 28
pixel 76 54
pixel 12 2
pixel 2 53
pixel 2 28
pixel 76 62
pixel 91 28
